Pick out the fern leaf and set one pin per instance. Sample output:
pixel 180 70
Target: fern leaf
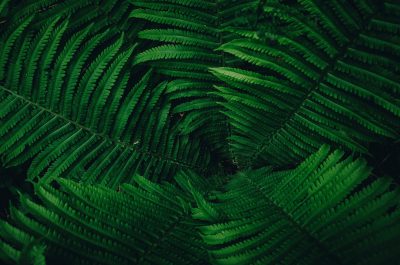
pixel 317 213
pixel 59 119
pixel 333 81
pixel 189 32
pixel 145 223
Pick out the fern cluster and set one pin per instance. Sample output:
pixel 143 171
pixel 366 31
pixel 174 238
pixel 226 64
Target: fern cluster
pixel 200 131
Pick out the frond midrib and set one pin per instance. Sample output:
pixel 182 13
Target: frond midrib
pixel 232 153
pixel 299 227
pixel 166 233
pixel 117 142
pixel 341 53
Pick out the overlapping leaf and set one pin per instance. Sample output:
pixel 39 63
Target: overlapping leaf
pixel 322 72
pixel 186 34
pixel 143 223
pixel 70 102
pixel 321 212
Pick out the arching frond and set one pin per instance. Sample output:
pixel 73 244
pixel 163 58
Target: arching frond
pixel 170 131
pixel 72 109
pixel 107 14
pixel 325 72
pixel 143 223
pixel 186 34
pixel 321 212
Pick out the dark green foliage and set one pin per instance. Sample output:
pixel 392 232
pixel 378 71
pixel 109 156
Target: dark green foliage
pixel 327 72
pixel 74 109
pixel 107 14
pixel 200 132
pixel 186 35
pixel 325 211
pixel 144 223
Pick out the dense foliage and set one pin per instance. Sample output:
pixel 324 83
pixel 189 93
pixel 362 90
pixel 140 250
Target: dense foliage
pixel 200 132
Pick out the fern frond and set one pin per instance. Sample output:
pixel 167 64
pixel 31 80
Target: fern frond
pixel 330 81
pixel 79 120
pixel 317 213
pixel 105 101
pixel 145 223
pixel 106 14
pixel 189 32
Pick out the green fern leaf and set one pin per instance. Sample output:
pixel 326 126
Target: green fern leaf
pixel 191 30
pixel 333 81
pixel 144 223
pixel 317 213
pixel 80 120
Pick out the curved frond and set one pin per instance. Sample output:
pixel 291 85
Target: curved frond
pixel 143 223
pixel 321 212
pixel 189 33
pixel 82 119
pixel 333 81
pixel 106 14
pixel 172 132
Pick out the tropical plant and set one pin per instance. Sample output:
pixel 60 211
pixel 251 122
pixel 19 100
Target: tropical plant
pixel 317 213
pixel 70 109
pixel 325 73
pixel 143 224
pixel 200 131
pixel 189 33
